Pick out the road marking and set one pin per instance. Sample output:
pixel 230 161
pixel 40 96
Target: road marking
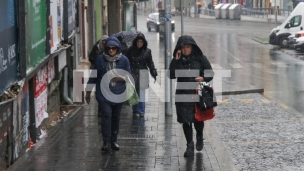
pixel 257 65
pixel 267 95
pixel 279 64
pixel 283 106
pixel 246 100
pixel 265 101
pixel 236 65
pixel 226 101
pixel 216 66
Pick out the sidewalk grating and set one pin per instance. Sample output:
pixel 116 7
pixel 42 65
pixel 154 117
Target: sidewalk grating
pixel 136 136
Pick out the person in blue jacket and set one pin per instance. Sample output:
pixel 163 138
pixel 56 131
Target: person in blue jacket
pixel 112 70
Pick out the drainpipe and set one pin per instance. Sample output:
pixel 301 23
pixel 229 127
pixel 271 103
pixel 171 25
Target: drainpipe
pixel 65 87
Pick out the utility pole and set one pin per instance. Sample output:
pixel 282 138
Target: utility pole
pixel 275 11
pixel 168 57
pixel 182 16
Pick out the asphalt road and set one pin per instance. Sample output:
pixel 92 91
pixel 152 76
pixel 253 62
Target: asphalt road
pixel 228 44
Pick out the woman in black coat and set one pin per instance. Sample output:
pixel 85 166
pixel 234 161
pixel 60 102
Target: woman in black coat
pixel 140 58
pixel 189 57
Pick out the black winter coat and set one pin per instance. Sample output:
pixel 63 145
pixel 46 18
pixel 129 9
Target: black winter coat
pixel 197 64
pixel 140 61
pixel 94 53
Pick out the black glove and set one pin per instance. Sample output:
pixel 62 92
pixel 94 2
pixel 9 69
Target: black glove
pixel 153 73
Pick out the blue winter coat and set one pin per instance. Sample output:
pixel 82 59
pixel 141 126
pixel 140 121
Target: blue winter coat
pixel 100 65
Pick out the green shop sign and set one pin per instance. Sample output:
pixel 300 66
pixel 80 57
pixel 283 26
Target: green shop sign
pixel 35 33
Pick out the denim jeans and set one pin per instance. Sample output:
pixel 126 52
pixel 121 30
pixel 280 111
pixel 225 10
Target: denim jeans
pixel 110 117
pixel 140 107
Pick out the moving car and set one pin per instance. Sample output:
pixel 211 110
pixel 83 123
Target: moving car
pixel 153 22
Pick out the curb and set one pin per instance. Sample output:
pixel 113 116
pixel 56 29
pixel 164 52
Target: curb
pixel 236 92
pixel 259 41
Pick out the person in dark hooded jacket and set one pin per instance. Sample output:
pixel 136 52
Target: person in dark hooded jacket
pixel 141 60
pixel 189 65
pixel 98 48
pixel 112 69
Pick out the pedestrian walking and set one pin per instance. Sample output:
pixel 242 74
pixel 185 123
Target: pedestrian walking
pixel 187 56
pixel 98 48
pixel 124 46
pixel 141 60
pixel 110 64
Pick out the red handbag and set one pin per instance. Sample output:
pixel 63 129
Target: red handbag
pixel 202 115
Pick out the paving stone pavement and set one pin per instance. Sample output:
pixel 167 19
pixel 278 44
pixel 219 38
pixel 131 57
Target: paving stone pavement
pixel 249 132
pixel 153 142
pixel 259 134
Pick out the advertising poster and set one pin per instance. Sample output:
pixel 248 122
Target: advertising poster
pixel 129 16
pixel 8 47
pixel 72 15
pixel 23 122
pixel 23 117
pixel 51 70
pixel 55 24
pixel 40 95
pixel 5 113
pixel 36 33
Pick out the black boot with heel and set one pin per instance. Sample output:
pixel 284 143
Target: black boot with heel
pixel 190 150
pixel 199 143
pixel 114 146
pixel 105 147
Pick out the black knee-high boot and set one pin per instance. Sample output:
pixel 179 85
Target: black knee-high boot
pixel 199 127
pixel 187 127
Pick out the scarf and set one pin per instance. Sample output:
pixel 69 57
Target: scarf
pixel 111 66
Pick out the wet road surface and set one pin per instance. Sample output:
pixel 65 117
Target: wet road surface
pixel 228 45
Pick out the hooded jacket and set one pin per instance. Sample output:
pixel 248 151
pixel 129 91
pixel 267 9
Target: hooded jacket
pixel 141 60
pixel 199 66
pixel 96 50
pixel 100 66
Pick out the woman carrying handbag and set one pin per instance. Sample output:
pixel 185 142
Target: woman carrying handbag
pixel 187 56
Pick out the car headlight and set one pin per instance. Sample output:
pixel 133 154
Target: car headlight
pixel 158 23
pixel 172 22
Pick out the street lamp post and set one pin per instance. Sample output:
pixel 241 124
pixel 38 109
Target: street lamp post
pixel 168 51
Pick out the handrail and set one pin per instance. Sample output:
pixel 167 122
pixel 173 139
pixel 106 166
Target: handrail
pixel 250 12
pixel 209 12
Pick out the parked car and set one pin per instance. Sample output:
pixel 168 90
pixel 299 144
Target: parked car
pixel 153 22
pixel 291 41
pixel 293 24
pixel 299 45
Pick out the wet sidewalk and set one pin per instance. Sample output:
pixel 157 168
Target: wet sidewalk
pixel 154 142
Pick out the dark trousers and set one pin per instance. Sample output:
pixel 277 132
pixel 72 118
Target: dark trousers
pixel 110 117
pixel 187 127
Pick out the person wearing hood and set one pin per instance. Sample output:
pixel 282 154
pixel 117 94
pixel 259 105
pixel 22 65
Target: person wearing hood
pixel 141 60
pixel 98 48
pixel 124 46
pixel 112 70
pixel 187 56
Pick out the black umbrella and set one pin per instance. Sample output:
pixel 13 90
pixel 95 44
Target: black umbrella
pixel 127 36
